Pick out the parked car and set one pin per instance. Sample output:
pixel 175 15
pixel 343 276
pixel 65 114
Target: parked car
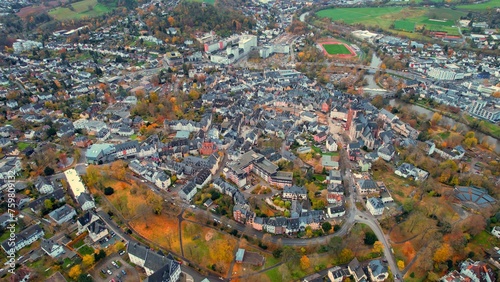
pixel 122 252
pixel 109 272
pixel 124 272
pixel 115 264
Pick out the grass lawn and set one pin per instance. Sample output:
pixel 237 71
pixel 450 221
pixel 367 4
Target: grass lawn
pixel 67 263
pixel 491 128
pixel 274 275
pixel 133 136
pixel 485 240
pixel 81 10
pixel 334 154
pixel 336 49
pixel 85 250
pixel 404 25
pixel 320 177
pixel 481 6
pixel 78 244
pixel 361 15
pixel 22 145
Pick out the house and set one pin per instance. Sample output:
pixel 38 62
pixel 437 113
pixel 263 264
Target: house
pixel 308 117
pixel 10 167
pixel 386 152
pixel 336 211
pixel 329 162
pixel 334 177
pixel 82 141
pixel 157 266
pixel 496 231
pixel 378 271
pixel 356 270
pixel 43 185
pixel 86 202
pixel 161 179
pixel 62 214
pixel 337 274
pixel 366 186
pixel 375 206
pixel 477 271
pixel 51 248
pixel 239 255
pixel 188 191
pixel 294 193
pixel 25 238
pixel 320 137
pixel 85 220
pixel 331 144
pixel 97 230
pixel 406 170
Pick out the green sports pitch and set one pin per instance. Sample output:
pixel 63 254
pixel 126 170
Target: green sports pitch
pixel 336 49
pixel 404 25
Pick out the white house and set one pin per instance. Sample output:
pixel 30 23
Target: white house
pixel 294 193
pixel 25 238
pixel 378 271
pixel 331 145
pixel 86 202
pixel 62 214
pixel 51 248
pixel 496 231
pixel 97 230
pixel 375 206
pixel 43 185
pixel 157 266
pixel 188 191
pixel 161 179
pixel 10 167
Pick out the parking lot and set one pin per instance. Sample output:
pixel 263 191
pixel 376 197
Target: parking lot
pixel 116 272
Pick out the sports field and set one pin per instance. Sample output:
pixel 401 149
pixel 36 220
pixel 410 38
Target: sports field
pixel 81 10
pixel 481 6
pixel 360 15
pixel 336 49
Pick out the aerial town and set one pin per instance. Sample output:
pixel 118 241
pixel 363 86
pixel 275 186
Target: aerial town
pixel 249 140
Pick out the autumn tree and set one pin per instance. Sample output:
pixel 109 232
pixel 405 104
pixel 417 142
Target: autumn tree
pixel 378 247
pixel 345 256
pixel 401 264
pixel 88 260
pixel 443 253
pixel 436 118
pixel 75 271
pixel 378 101
pixel 304 262
pixel 119 170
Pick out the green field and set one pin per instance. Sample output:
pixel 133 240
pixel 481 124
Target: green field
pixel 482 6
pixel 81 10
pixel 336 49
pixel 405 19
pixel 404 25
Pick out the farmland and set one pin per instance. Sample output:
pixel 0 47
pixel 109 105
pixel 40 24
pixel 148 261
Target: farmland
pixel 82 9
pixel 403 19
pixel 336 49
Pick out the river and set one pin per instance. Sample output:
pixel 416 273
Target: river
pixel 372 86
pixel 446 120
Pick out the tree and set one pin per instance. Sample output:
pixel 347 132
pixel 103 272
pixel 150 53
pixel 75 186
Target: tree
pixel 436 117
pixel 408 205
pixel 336 245
pixel 370 238
pixel 345 256
pixel 277 253
pixel 75 271
pixel 304 262
pixel 88 260
pixel 48 171
pixel 378 101
pixel 378 247
pixel 84 278
pixel 443 253
pixel 401 264
pixel 326 226
pixel 100 255
pixel 108 191
pixel 48 204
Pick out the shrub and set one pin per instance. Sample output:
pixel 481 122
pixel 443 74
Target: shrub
pixel 108 191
